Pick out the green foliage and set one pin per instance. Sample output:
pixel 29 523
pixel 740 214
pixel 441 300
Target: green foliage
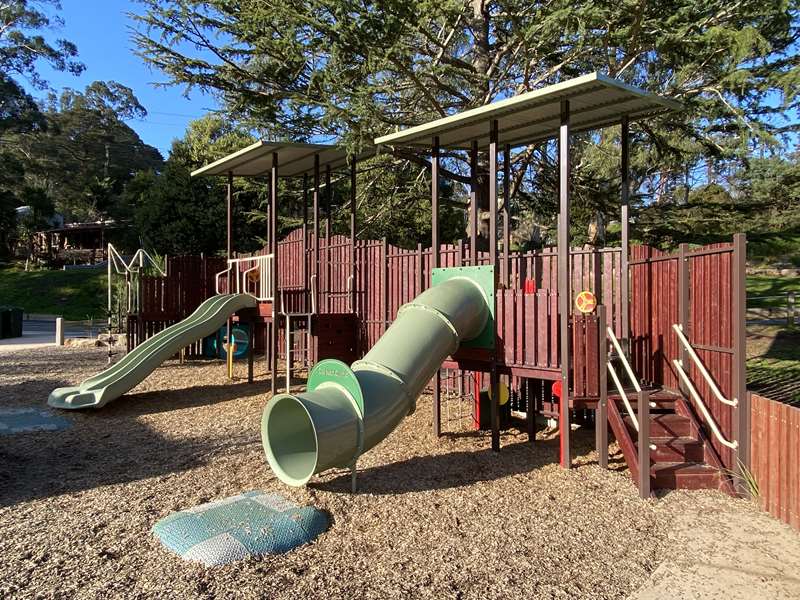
pixel 175 213
pixel 88 152
pixel 773 364
pixel 22 46
pixel 359 68
pixel 762 285
pixel 762 199
pixel 72 152
pixel 75 294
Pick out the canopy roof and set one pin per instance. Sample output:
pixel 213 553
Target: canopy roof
pixel 596 101
pixel 294 158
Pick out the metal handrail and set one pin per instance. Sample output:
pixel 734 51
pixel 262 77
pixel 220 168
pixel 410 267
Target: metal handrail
pixel 618 383
pixel 350 302
pixel 217 276
pixel 625 362
pixel 701 405
pixel 121 267
pixel 314 294
pixel 141 254
pixel 622 393
pixel 263 289
pixel 701 367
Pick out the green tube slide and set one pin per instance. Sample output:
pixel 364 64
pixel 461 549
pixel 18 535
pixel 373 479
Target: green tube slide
pixel 147 356
pixel 348 410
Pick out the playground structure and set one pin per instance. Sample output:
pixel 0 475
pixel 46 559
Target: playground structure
pixel 660 359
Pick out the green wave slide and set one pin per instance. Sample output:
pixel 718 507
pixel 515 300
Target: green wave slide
pixel 137 364
pixel 345 411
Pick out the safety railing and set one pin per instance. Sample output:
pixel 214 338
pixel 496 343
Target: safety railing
pixel 712 385
pixel 618 384
pixel 640 419
pixel 249 275
pixel 139 261
pixel 698 400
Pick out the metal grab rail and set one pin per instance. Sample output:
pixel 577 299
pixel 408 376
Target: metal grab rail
pixel 620 388
pixel 701 405
pixel 701 367
pixel 314 294
pixel 242 283
pixel 625 362
pixel 641 421
pixel 622 393
pixel 136 264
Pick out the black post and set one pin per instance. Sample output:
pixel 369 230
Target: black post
pixel 494 379
pixel 601 414
pixel 435 258
pixel 473 204
pixel 506 215
pixel 741 412
pixel 644 443
pixel 274 274
pixel 305 231
pixel 229 213
pixel 315 211
pixel 625 220
pixel 564 294
pixel 250 351
pixel 328 232
pixel 353 235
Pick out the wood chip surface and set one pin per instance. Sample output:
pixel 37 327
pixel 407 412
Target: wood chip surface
pixel 442 518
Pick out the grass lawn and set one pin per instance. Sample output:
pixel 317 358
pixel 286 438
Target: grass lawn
pixel 763 285
pixel 773 362
pixel 75 294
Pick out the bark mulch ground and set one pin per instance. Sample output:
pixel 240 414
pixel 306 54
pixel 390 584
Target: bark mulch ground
pixel 433 518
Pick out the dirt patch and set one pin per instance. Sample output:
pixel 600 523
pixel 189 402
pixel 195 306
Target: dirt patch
pixel 443 518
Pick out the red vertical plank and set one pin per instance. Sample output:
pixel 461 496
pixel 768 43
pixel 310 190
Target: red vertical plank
pixel 543 352
pixel 592 357
pixel 519 335
pixel 553 345
pixel 509 326
pixel 785 465
pixel 794 460
pixel 531 331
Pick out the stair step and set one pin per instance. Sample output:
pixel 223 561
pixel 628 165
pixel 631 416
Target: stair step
pixel 676 450
pixel 664 425
pixel 684 476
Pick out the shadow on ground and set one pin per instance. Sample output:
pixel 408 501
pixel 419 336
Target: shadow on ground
pixel 111 445
pixel 773 365
pixel 457 469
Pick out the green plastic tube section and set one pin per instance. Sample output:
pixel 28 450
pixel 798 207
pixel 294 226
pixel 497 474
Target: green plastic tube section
pixel 330 426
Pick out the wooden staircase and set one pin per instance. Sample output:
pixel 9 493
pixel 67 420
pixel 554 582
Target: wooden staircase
pixel 681 456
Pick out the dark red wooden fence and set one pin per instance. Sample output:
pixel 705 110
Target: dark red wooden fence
pixel 705 278
pixel 775 455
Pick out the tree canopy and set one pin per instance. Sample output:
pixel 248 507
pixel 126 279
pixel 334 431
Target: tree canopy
pixel 358 68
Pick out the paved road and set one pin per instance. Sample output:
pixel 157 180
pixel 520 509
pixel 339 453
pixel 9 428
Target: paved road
pixel 37 333
pixel 71 329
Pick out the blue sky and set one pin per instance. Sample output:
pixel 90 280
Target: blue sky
pixel 100 29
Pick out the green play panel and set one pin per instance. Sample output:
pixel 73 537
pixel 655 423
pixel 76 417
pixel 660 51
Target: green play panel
pixel 250 524
pixel 335 371
pixel 483 275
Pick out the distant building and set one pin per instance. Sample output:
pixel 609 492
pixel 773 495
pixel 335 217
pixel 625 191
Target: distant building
pixel 75 243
